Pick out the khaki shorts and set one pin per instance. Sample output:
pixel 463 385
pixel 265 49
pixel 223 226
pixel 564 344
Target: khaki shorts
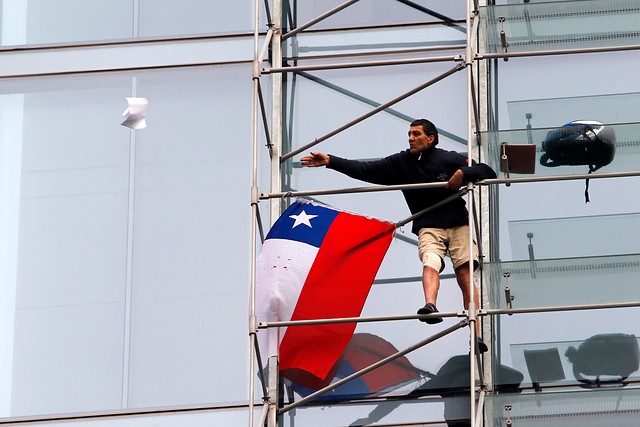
pixel 438 240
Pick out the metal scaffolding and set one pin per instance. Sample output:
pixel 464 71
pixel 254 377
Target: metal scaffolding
pixel 475 64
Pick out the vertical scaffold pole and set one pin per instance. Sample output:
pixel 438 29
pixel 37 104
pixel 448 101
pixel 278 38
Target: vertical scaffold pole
pixel 254 210
pixel 471 312
pixel 276 107
pixel 277 125
pixel 471 121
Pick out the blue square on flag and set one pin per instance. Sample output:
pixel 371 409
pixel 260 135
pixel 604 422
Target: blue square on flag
pixel 303 222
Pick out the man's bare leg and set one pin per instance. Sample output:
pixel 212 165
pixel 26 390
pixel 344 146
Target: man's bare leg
pixel 466 284
pixel 430 286
pixel 464 281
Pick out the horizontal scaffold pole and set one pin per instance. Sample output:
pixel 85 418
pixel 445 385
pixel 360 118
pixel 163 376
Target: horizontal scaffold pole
pixel 550 52
pixel 265 196
pixel 573 177
pixel 360 64
pixel 481 312
pixel 339 320
pixel 494 181
pixel 575 307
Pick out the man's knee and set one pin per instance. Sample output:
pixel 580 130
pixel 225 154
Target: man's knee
pixel 434 261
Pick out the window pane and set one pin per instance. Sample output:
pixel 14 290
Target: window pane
pixel 559 25
pixel 71 248
pixel 184 17
pixel 119 304
pixel 41 21
pixel 378 12
pixel 64 21
pixel 189 336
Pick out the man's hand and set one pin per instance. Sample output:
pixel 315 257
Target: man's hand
pixel 455 182
pixel 315 160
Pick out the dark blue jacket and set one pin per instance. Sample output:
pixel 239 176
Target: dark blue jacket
pixel 432 165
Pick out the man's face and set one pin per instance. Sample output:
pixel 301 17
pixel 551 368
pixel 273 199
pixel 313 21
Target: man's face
pixel 418 141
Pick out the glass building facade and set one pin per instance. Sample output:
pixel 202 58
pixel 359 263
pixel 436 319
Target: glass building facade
pixel 126 267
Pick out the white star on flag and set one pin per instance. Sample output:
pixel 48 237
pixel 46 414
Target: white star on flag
pixel 303 218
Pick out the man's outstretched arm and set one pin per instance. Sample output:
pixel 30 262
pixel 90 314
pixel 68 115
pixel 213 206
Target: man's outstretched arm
pixel 374 171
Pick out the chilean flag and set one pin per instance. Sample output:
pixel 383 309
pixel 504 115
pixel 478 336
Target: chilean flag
pixel 316 263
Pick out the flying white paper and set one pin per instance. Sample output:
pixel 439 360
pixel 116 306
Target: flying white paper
pixel 134 115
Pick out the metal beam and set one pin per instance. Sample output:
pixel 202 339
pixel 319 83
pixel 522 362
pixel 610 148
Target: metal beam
pixel 492 181
pixel 507 55
pixel 576 307
pixel 337 66
pixel 369 319
pixel 481 312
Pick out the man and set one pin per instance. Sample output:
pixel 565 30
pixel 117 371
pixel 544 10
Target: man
pixel 443 229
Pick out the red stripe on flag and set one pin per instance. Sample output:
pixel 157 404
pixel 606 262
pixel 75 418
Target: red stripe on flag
pixel 337 286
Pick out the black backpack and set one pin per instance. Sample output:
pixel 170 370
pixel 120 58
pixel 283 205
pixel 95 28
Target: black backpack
pixel 579 143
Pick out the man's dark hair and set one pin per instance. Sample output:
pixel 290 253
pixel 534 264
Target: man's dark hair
pixel 428 128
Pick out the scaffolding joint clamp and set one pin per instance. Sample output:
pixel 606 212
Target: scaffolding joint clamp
pixel 252 325
pixel 255 196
